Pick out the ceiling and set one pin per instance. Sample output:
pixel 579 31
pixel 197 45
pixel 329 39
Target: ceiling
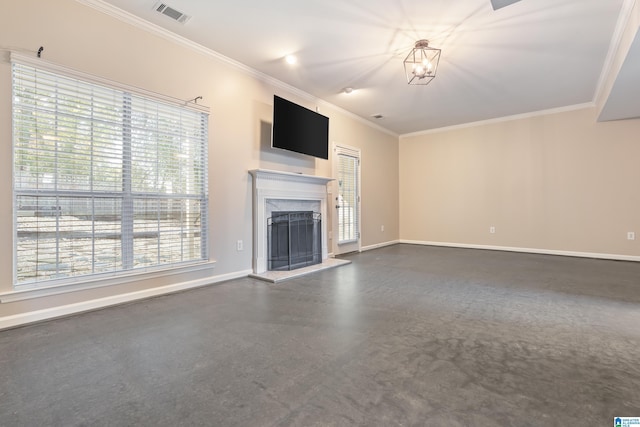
pixel 531 56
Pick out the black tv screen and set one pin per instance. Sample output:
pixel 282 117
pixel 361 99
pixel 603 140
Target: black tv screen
pixel 299 129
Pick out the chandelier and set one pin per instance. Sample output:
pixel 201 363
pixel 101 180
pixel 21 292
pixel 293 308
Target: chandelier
pixel 421 64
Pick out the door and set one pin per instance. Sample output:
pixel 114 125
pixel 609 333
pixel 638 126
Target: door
pixel 346 202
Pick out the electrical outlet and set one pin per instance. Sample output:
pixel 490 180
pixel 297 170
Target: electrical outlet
pixel 631 235
pixel 492 230
pixel 239 245
pixel 382 228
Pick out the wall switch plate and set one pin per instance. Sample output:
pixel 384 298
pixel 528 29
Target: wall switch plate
pixel 631 235
pixel 382 228
pixel 239 245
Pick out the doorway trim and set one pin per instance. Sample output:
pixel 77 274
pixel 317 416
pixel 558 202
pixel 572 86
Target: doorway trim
pixel 356 244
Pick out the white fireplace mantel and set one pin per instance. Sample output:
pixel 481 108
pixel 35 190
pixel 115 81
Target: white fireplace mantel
pixel 269 186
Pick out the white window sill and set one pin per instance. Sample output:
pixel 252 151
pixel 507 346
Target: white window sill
pixel 25 292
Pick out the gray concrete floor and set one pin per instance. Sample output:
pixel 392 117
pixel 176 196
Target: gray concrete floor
pixel 405 335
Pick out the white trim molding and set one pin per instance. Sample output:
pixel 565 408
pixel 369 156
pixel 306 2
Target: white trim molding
pixel 379 245
pixel 131 19
pixel 340 149
pixel 69 309
pixel 614 46
pixel 84 283
pixel 522 116
pixel 614 257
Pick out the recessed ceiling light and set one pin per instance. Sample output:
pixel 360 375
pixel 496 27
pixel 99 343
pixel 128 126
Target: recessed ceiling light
pixel 377 116
pixel 347 90
pixel 291 59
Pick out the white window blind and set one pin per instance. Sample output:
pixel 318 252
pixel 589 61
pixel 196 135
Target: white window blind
pixel 347 198
pixel 105 180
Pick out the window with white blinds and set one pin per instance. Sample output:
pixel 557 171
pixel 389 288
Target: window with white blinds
pixel 105 180
pixel 347 198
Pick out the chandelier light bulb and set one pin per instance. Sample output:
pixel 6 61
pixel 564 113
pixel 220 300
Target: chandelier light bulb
pixel 421 63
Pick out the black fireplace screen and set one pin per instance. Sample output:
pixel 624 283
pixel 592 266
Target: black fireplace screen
pixel 294 240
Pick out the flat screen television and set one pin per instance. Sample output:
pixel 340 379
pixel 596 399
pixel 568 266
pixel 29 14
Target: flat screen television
pixel 296 128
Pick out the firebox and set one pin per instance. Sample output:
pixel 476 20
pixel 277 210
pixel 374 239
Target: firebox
pixel 294 239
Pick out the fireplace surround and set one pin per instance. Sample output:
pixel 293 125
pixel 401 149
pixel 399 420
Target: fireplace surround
pixel 275 191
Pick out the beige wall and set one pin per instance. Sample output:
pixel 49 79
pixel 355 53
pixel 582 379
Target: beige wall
pixel 560 182
pixel 82 38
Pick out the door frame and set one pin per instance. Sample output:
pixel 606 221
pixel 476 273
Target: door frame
pixel 343 248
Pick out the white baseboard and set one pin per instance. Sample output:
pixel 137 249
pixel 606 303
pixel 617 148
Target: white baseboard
pixel 616 257
pixel 379 245
pixel 66 310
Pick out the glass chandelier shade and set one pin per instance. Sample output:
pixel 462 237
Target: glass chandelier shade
pixel 421 64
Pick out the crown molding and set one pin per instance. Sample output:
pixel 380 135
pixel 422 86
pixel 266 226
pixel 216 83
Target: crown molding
pixel 358 118
pixel 614 46
pixel 159 31
pixel 502 119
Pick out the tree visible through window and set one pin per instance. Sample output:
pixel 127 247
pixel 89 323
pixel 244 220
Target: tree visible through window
pixel 105 180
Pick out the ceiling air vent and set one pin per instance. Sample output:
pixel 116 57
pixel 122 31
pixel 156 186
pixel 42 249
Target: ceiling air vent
pixel 167 10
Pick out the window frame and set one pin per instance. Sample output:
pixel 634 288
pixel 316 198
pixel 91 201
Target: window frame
pixel 124 273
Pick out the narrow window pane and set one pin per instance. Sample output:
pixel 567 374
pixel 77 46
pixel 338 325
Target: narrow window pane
pixel 347 198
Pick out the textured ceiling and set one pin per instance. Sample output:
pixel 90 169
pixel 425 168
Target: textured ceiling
pixel 530 56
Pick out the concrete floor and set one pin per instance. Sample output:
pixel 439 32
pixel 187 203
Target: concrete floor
pixel 405 335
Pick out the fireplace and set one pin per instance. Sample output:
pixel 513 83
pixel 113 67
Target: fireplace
pixel 294 240
pixel 275 191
